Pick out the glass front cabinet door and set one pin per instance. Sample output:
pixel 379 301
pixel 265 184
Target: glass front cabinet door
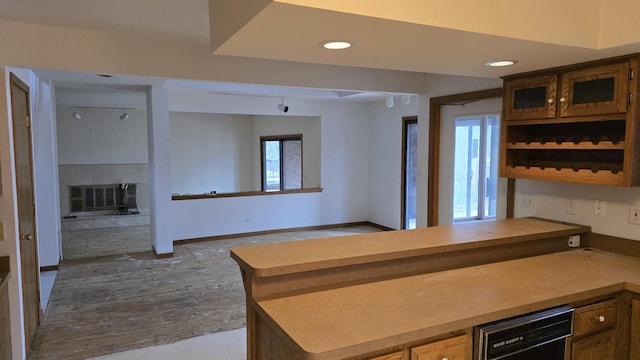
pixel 531 98
pixel 595 91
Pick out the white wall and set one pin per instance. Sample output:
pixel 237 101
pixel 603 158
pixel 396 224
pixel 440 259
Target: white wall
pixel 550 202
pixel 385 160
pixel 344 151
pixel 100 137
pixel 45 162
pixel 211 152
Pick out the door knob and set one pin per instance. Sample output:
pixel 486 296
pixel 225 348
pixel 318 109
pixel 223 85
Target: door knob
pixel 26 237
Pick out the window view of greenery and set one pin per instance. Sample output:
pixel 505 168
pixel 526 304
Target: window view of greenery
pixel 282 163
pixel 475 168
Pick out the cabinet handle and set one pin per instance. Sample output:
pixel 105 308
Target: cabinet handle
pixel 550 101
pixel 562 99
pixel 26 237
pixel 601 318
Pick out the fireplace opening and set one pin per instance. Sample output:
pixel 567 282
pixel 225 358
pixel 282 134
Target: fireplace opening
pixel 113 198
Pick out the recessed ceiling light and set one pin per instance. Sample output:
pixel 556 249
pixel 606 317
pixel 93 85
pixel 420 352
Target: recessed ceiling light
pixel 336 45
pixel 501 63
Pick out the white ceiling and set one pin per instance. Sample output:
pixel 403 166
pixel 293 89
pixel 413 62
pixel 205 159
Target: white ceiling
pixel 454 37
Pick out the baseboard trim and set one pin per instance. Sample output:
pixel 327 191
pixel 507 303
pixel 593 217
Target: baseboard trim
pixel 163 255
pixel 612 243
pixel 49 268
pixel 278 231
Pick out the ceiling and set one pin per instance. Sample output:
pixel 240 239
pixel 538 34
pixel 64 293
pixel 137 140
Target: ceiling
pixel 453 37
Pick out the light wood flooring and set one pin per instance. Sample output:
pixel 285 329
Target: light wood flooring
pixel 109 304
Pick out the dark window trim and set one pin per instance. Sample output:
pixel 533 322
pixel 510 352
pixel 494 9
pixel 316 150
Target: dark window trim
pixel 406 121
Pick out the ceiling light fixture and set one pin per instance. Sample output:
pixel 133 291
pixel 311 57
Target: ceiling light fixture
pixel 388 102
pixel 500 63
pixel 336 45
pixel 124 115
pixel 282 107
pixel 76 115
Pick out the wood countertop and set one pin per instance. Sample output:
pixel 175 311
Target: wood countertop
pixel 298 256
pixel 348 321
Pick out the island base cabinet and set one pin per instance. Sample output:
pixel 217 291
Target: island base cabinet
pixel 5 329
pixel 600 346
pixel 455 348
pixel 635 330
pixel 394 356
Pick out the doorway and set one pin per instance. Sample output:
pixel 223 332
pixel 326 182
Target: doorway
pixel 409 171
pixel 21 120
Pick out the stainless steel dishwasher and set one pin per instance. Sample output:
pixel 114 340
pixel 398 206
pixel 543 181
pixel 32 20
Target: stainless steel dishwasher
pixel 536 336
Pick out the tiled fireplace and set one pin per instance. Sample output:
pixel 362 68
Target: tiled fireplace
pixel 103 196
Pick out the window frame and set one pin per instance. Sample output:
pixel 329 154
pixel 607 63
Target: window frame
pixel 484 122
pixel 281 139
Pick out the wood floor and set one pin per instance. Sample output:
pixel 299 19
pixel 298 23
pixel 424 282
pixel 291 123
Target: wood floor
pixel 109 304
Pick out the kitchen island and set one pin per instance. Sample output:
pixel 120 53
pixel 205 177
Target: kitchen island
pixel 392 296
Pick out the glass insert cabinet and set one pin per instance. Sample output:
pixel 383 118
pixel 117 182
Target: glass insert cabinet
pixel 576 124
pixel 593 91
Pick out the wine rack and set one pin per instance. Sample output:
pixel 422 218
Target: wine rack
pixel 586 152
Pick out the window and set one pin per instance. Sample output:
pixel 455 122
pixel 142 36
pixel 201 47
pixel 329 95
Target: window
pixel 281 162
pixel 409 172
pixel 475 179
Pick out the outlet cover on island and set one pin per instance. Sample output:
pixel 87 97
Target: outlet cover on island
pixel 634 214
pixel 599 207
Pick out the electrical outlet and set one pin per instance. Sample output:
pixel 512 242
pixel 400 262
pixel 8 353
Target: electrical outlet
pixel 527 201
pixel 574 241
pixel 634 214
pixel 571 206
pixel 599 207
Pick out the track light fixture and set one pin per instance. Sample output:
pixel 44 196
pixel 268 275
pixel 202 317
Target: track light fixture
pixel 282 107
pixel 388 102
pixel 124 115
pixel 76 115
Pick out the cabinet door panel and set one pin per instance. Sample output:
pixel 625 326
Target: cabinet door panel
pixel 456 348
pixel 530 98
pixel 595 91
pixel 394 356
pixel 600 346
pixel 635 330
pixel 595 317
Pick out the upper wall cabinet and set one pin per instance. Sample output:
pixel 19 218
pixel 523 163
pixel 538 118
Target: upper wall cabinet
pixel 592 91
pixel 574 124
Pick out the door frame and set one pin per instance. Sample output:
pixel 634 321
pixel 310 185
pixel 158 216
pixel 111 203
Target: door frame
pixel 433 168
pixel 28 304
pixel 403 183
